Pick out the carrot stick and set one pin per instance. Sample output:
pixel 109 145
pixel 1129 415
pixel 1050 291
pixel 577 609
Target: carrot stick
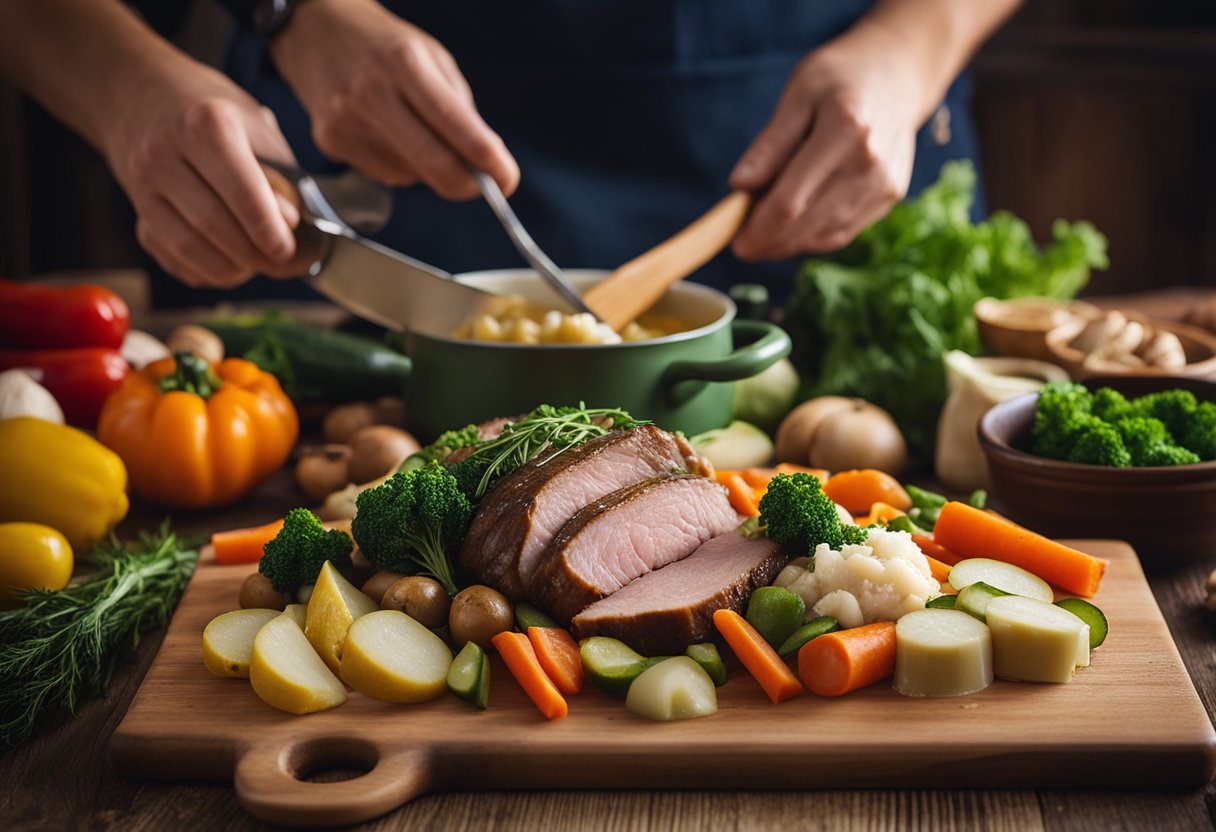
pixel 858 490
pixel 973 533
pixel 791 468
pixel 880 512
pixel 742 497
pixel 558 655
pixel 516 650
pixel 761 660
pixel 836 663
pixel 930 548
pixel 939 570
pixel 243 545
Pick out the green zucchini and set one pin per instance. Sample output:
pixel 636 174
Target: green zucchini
pixel 1091 615
pixel 469 675
pixel 776 613
pixel 313 363
pixel 942 602
pixel 813 629
pixel 974 599
pixel 527 616
pixel 612 665
pixel 710 659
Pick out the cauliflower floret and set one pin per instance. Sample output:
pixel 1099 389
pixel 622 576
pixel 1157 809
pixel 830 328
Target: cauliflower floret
pixel 880 580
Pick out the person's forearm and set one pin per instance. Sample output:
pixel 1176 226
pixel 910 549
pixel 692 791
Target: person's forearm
pixel 76 57
pixel 938 36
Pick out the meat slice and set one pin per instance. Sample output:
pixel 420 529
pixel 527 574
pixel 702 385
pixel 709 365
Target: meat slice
pixel 666 610
pixel 626 534
pixel 522 512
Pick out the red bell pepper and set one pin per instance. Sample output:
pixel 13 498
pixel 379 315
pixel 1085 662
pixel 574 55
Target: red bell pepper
pixel 43 317
pixel 80 379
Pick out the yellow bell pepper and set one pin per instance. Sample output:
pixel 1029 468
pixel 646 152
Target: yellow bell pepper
pixel 60 477
pixel 196 436
pixel 32 556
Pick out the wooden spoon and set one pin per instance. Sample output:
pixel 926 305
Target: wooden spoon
pixel 636 286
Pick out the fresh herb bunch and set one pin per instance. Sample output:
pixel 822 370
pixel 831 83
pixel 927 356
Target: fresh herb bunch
pixel 547 429
pixel 875 319
pixel 63 646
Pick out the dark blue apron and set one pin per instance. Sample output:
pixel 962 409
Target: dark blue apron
pixel 625 117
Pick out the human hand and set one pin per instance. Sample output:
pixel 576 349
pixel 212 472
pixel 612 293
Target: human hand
pixel 837 153
pixel 184 145
pixel 387 98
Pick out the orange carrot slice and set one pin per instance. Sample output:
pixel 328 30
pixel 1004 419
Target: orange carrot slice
pixel 843 661
pixel 857 490
pixel 243 545
pixel 742 497
pixel 761 660
pixel 939 570
pixel 930 548
pixel 516 650
pixel 973 533
pixel 881 513
pixel 558 654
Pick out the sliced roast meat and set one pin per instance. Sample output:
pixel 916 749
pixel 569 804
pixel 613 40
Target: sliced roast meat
pixel 666 610
pixel 626 534
pixel 519 516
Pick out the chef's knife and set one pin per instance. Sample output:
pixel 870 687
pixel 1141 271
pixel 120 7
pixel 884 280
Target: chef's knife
pixel 371 280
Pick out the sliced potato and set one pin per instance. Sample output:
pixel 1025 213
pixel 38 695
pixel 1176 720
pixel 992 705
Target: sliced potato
pixel 1000 575
pixel 941 653
pixel 287 673
pixel 228 641
pixel 334 605
pixel 1034 641
pixel 390 656
pixel 676 688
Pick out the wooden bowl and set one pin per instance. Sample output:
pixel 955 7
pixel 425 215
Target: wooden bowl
pixel 1018 327
pixel 1198 344
pixel 1165 513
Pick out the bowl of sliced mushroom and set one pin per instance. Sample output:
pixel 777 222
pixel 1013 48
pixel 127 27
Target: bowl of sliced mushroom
pixel 1121 343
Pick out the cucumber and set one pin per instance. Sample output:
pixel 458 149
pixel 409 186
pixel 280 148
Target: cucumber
pixel 527 616
pixel 974 599
pixel 942 602
pixel 1091 615
pixel 612 665
pixel 469 675
pixel 313 363
pixel 710 659
pixel 809 631
pixel 1004 576
pixel 776 613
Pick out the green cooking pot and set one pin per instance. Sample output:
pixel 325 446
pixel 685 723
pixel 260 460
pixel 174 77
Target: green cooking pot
pixel 680 382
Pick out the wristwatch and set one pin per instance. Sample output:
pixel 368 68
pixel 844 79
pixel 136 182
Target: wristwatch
pixel 264 18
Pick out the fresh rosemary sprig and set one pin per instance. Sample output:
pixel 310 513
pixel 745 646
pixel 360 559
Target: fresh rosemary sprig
pixel 63 646
pixel 547 428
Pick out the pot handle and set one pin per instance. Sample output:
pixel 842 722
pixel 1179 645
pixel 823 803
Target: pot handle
pixel 767 344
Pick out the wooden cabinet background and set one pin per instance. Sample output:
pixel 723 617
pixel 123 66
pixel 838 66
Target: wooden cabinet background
pixel 1095 109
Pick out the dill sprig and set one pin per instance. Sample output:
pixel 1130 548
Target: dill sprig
pixel 547 428
pixel 63 646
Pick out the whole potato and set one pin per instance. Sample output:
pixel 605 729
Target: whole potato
pixel 198 341
pixel 478 614
pixel 344 421
pixel 322 473
pixel 861 436
pixel 257 593
pixel 377 450
pixel 797 429
pixel 378 584
pixel 422 599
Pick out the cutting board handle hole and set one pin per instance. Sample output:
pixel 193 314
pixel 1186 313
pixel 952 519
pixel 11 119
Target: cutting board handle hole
pixel 331 759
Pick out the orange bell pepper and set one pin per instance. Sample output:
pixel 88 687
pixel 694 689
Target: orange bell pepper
pixel 196 436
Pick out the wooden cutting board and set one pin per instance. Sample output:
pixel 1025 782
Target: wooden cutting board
pixel 1131 720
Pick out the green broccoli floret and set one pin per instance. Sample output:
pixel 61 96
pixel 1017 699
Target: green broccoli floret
pixel 796 513
pixel 443 447
pixel 1174 408
pixel 1061 412
pixel 1094 442
pixel 1110 405
pixel 1150 443
pixel 414 522
pixel 295 555
pixel 1199 434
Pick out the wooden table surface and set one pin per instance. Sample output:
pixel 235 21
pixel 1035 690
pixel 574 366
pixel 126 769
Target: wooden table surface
pixel 63 779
